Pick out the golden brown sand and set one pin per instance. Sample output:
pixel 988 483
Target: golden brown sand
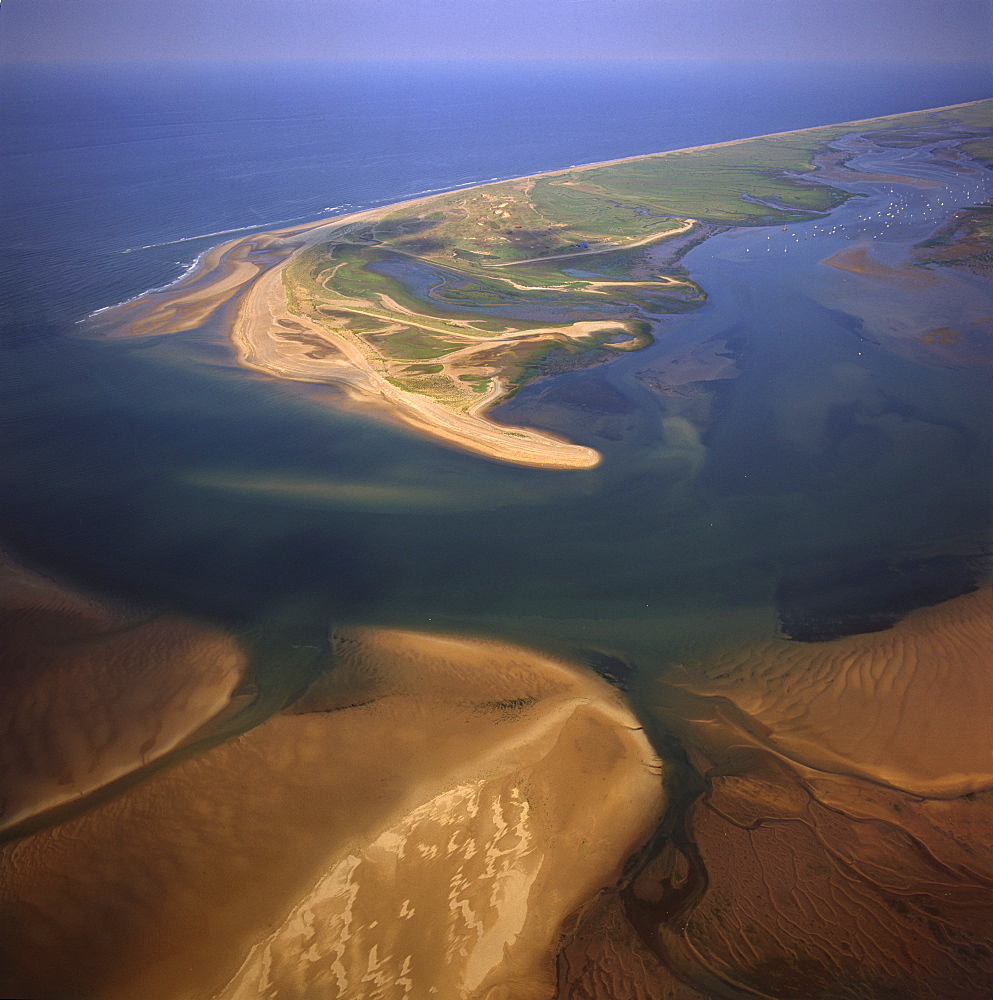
pixel 272 340
pixel 420 824
pixel 276 342
pixel 450 817
pixel 91 693
pixel 859 261
pixel 910 707
pixel 841 844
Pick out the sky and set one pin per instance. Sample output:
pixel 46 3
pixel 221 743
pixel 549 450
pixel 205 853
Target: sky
pixel 929 31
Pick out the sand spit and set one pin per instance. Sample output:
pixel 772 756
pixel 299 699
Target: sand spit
pixel 91 693
pixel 271 339
pixel 250 270
pixel 276 342
pixel 218 278
pixel 839 842
pixel 420 824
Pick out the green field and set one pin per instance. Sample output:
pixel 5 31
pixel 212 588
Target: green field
pixel 477 282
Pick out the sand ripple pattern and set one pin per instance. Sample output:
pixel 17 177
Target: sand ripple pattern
pixel 420 824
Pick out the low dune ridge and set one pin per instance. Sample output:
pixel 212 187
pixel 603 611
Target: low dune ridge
pixel 92 692
pixel 274 340
pixel 420 823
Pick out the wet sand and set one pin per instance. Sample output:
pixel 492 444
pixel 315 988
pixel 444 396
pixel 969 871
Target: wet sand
pixel 934 317
pixel 838 838
pixel 419 824
pixel 439 816
pixel 910 707
pixel 92 693
pixel 860 261
pixel 268 339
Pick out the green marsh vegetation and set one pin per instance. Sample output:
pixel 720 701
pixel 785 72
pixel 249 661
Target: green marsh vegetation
pixel 428 282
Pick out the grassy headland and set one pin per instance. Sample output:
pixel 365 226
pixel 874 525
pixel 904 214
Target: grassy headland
pixel 465 297
pixel 437 309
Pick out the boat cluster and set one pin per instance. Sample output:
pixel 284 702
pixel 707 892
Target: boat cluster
pixel 900 209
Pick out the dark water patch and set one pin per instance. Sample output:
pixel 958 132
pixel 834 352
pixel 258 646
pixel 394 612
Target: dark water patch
pixel 459 296
pixel 854 325
pixel 817 603
pixel 912 138
pixel 612 669
pixel 580 406
pixel 102 455
pixel 594 394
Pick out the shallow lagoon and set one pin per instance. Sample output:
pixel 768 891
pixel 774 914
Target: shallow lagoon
pixel 791 453
pixel 817 444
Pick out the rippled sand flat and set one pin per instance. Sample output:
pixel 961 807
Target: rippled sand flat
pixel 419 824
pixel 839 842
pixel 91 692
pixel 910 707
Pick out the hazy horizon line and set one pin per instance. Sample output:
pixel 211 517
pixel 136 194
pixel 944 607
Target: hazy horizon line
pixel 11 59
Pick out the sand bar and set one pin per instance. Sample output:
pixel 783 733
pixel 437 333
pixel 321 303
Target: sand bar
pixel 420 823
pixel 92 693
pixel 910 707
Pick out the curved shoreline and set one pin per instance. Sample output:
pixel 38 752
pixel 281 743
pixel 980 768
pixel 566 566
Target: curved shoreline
pixel 254 332
pixel 419 792
pixel 248 271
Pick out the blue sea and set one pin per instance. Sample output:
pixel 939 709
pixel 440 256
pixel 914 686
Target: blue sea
pixel 158 470
pixel 115 178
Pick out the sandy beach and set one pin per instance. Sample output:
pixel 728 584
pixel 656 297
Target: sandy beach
pixel 256 333
pixel 248 272
pixel 421 822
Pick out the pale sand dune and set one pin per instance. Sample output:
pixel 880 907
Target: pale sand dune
pixel 911 707
pixel 272 340
pixel 419 825
pixel 191 302
pixel 91 693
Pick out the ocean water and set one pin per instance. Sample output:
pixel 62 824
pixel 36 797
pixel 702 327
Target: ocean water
pixel 115 178
pixel 158 470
